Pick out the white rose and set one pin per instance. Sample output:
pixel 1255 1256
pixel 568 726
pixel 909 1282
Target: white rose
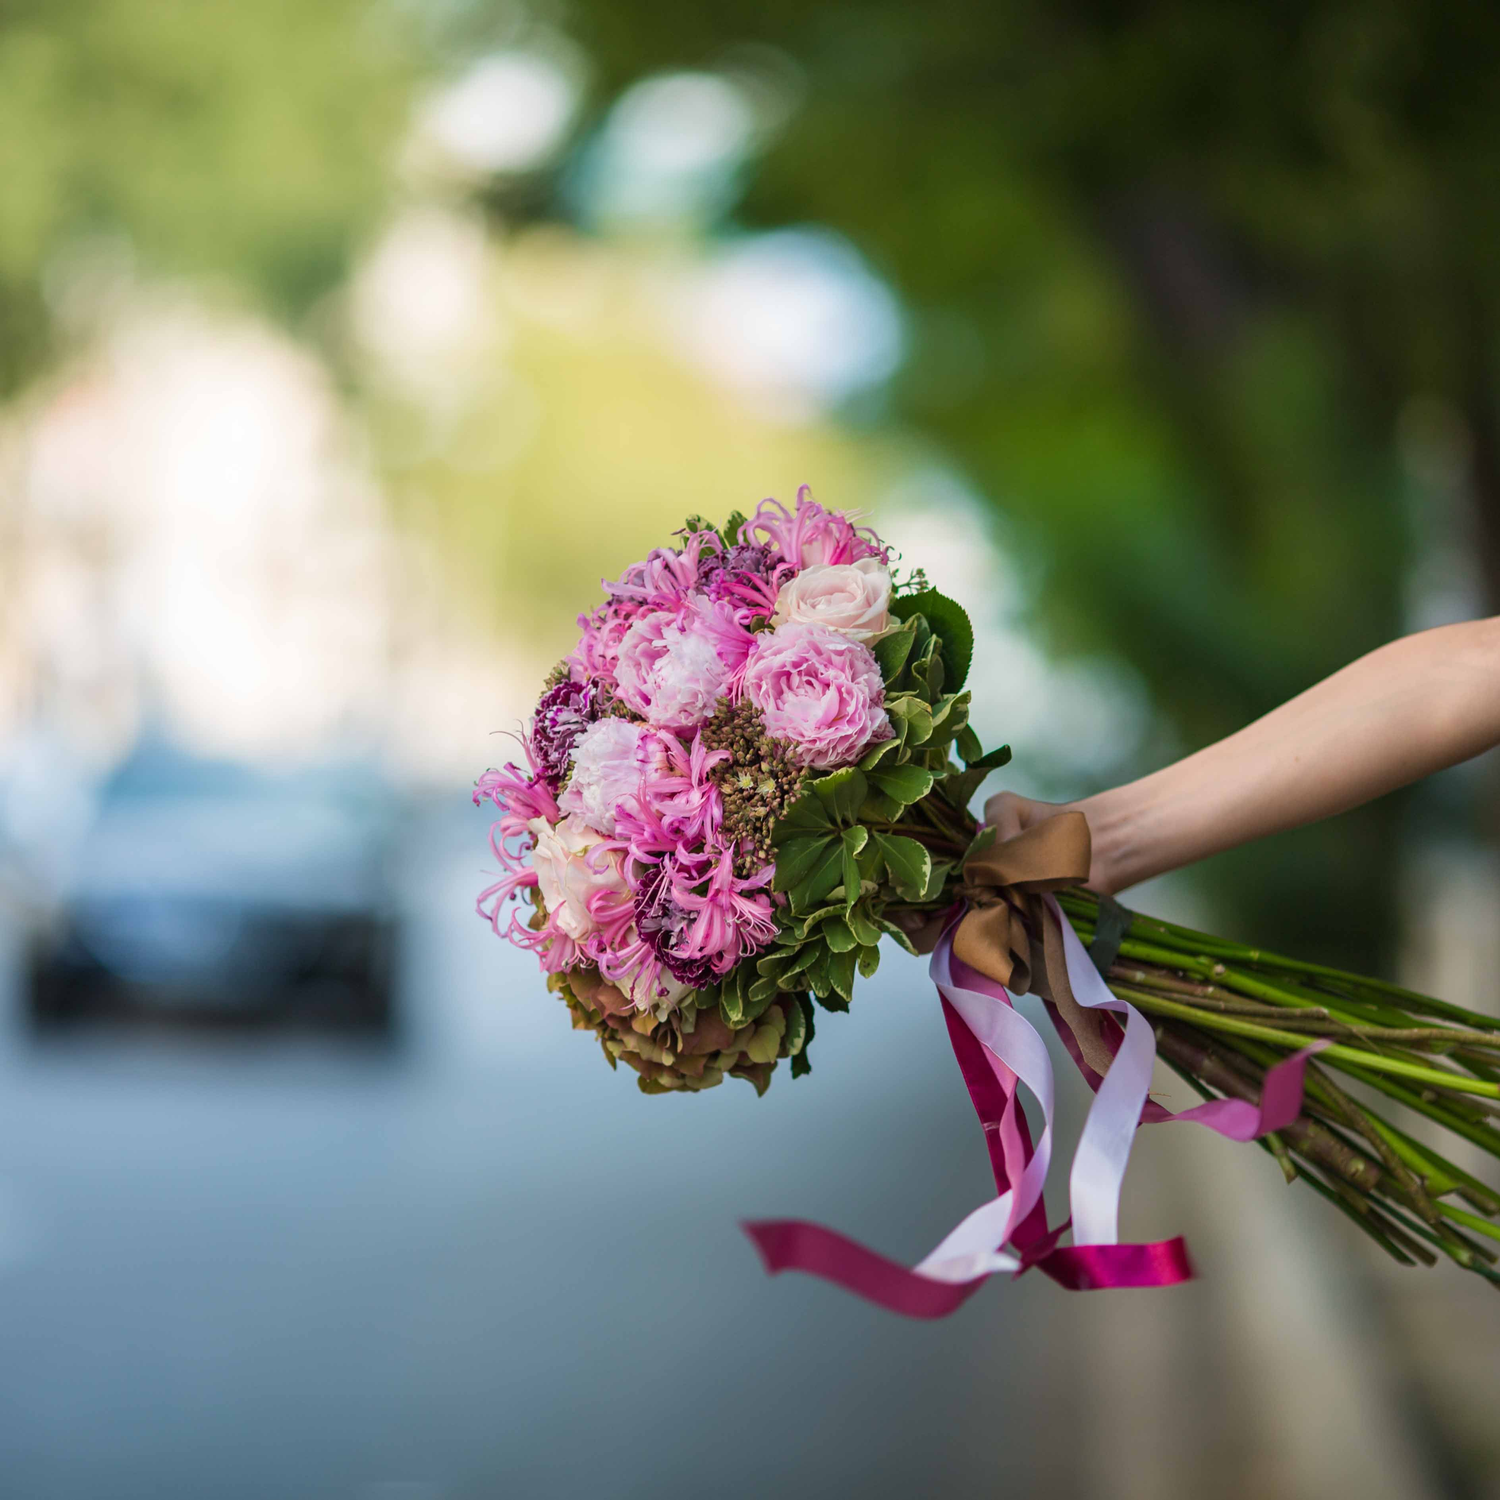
pixel 852 598
pixel 566 876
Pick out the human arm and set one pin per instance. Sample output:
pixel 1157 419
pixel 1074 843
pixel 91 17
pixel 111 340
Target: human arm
pixel 1412 707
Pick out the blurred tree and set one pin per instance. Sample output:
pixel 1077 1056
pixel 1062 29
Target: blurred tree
pixel 1174 270
pixel 252 141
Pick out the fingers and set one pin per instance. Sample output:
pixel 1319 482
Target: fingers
pixel 1006 813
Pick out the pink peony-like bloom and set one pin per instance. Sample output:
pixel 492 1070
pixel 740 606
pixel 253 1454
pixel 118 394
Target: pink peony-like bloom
pixel 675 665
pixel 609 760
pixel 809 534
pixel 820 690
pixel 852 598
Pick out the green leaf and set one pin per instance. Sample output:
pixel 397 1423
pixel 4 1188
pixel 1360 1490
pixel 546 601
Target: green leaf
pixel 865 929
pixel 841 793
pixel 927 674
pixel 806 815
pixel 935 879
pixel 732 1007
pixel 878 808
pixel 841 973
pixel 892 650
pixel 998 757
pixel 817 972
pixel 895 932
pixel 795 1037
pixel 854 840
pixel 733 526
pixel 970 746
pixel 797 858
pixel 878 752
pixel 869 959
pixel 949 622
pixel 909 863
pixel 981 840
pixel 903 784
pixel 911 717
pixel 839 936
pixel 959 788
pixel 827 873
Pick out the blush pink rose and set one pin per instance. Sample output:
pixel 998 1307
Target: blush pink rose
pixel 572 872
pixel 675 665
pixel 819 689
pixel 852 598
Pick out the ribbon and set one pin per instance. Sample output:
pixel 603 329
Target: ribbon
pixel 983 957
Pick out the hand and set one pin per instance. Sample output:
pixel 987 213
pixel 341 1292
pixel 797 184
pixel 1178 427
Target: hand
pixel 1009 813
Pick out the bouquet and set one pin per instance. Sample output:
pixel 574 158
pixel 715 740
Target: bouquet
pixel 757 763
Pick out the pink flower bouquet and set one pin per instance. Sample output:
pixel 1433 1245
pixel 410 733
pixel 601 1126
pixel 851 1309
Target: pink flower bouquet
pixel 744 776
pixel 734 785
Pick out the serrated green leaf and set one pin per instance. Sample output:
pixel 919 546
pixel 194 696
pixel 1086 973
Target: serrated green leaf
pixel 797 858
pixel 841 793
pixel 909 863
pixel 949 622
pixel 902 784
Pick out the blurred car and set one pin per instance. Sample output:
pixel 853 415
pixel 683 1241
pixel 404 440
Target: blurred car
pixel 211 893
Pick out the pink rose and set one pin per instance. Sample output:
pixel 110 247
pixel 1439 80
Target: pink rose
pixel 852 598
pixel 820 690
pixel 675 665
pixel 572 872
pixel 609 760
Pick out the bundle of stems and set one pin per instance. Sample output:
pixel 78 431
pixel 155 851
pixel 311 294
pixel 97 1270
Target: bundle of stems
pixel 1225 1013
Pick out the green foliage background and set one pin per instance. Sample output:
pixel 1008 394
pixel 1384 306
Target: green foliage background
pixel 1173 272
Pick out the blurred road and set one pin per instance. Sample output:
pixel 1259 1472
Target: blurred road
pixel 483 1265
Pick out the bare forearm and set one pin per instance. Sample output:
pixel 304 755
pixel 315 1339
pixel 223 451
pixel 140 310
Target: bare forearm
pixel 1402 712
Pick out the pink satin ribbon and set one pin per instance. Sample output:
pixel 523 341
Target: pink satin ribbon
pixel 997 1050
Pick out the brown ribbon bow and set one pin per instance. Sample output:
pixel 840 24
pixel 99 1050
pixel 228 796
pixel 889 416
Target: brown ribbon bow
pixel 1007 921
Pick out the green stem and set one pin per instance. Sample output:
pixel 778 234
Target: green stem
pixel 1212 1021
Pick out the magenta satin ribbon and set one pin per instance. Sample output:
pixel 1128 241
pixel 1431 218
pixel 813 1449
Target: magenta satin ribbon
pixel 997 1049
